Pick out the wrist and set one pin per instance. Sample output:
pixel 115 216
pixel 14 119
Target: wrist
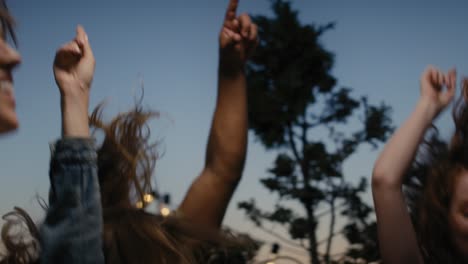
pixel 230 66
pixel 75 121
pixel 75 100
pixel 429 108
pixel 230 71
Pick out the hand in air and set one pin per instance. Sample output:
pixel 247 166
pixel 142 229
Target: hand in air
pixel 437 87
pixel 238 37
pixel 74 65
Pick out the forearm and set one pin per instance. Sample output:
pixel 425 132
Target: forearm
pixel 400 151
pixel 75 121
pixel 397 237
pixel 227 142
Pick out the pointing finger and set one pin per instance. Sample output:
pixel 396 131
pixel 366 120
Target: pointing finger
pixel 83 42
pixel 230 17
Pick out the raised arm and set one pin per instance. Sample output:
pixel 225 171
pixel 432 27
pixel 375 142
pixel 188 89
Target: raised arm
pixel 209 195
pixel 398 242
pixel 72 230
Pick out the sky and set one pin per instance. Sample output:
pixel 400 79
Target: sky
pixel 380 47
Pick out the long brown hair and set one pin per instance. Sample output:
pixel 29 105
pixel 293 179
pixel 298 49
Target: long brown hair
pixel 7 22
pixel 20 237
pixel 126 161
pixel 126 158
pixel 430 185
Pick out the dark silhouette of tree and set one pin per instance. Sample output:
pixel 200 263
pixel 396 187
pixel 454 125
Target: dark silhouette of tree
pixel 293 97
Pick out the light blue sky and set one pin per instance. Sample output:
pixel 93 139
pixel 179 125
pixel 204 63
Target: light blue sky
pixel 381 48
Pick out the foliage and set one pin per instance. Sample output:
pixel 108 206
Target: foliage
pixel 293 97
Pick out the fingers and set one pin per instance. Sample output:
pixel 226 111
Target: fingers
pixel 231 11
pixel 80 34
pixel 68 55
pixel 451 79
pixel 70 48
pixel 434 76
pixel 76 51
pixel 83 42
pixel 248 30
pixel 229 36
pixel 451 84
pixel 253 34
pixel 239 32
pixel 440 78
pixel 252 41
pixel 245 24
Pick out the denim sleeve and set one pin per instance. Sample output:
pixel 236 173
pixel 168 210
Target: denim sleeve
pixel 72 230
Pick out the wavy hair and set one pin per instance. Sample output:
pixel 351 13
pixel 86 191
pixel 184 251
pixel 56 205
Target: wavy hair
pixel 7 22
pixel 430 184
pixel 126 161
pixel 126 158
pixel 20 237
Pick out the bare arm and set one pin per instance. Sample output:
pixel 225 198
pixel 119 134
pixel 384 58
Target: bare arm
pixel 207 198
pixel 74 70
pixel 398 242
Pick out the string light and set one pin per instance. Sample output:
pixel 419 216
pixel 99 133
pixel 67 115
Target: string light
pixel 164 208
pixel 148 198
pixel 165 211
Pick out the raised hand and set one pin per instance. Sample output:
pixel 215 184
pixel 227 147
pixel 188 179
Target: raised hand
pixel 438 88
pixel 74 70
pixel 74 65
pixel 397 237
pixel 237 39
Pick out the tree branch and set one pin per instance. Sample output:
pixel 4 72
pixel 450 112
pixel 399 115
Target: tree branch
pixel 334 234
pixel 280 237
pixel 330 230
pixel 292 143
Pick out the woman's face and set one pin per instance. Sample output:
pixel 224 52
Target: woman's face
pixel 9 59
pixel 458 215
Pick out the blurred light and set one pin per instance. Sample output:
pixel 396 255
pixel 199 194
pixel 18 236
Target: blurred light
pixel 270 262
pixel 165 211
pixel 148 198
pixel 139 204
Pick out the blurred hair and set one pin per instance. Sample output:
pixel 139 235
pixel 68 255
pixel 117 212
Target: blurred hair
pixel 430 185
pixel 126 160
pixel 134 236
pixel 20 237
pixel 7 22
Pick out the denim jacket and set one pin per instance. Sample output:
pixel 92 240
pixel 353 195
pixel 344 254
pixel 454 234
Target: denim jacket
pixel 72 230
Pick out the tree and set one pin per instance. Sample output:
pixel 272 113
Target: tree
pixel 292 97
